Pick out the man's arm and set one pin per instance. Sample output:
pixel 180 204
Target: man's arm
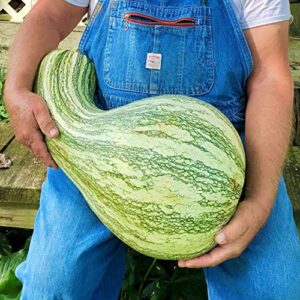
pixel 268 127
pixel 269 112
pixel 49 22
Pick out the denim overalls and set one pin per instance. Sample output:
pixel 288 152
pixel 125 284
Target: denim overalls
pixel 198 49
pixel 203 53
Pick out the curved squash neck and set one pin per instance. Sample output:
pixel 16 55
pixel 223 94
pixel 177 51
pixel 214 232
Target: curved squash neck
pixel 67 81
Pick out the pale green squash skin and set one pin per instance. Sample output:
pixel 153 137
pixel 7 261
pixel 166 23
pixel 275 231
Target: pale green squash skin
pixel 163 174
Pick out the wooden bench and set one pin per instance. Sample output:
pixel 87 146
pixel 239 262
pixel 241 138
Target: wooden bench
pixel 20 184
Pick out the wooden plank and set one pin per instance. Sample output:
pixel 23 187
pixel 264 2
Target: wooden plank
pixel 21 183
pixel 6 134
pixel 292 179
pixel 20 216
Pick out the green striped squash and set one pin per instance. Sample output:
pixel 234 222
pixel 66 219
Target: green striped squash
pixel 164 174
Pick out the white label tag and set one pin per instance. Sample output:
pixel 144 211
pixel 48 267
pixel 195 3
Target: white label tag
pixel 153 61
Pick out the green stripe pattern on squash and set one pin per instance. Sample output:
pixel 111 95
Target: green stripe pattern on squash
pixel 164 174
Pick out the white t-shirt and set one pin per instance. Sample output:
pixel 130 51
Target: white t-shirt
pixel 250 13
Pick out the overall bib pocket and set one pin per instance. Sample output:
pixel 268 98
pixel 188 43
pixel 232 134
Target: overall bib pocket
pixel 159 50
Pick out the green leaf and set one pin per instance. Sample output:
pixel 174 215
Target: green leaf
pixel 5 246
pixel 2 74
pixel 158 270
pixel 27 243
pixel 10 286
pixel 149 289
pixel 9 283
pixel 130 263
pixel 190 286
pixel 166 281
pixel 187 278
pixel 161 293
pixel 3 112
pixel 130 278
pixel 13 297
pixel 132 294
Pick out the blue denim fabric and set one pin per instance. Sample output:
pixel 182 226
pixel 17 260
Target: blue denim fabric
pixel 210 61
pixel 269 268
pixel 72 254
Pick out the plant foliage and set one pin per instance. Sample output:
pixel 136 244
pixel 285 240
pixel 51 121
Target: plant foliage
pixel 3 112
pixel 14 244
pixel 146 278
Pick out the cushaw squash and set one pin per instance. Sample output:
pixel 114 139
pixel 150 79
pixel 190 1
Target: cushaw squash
pixel 164 174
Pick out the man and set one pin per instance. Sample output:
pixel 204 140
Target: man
pixel 72 255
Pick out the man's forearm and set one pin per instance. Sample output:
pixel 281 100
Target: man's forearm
pixel 36 37
pixel 268 128
pixel 49 22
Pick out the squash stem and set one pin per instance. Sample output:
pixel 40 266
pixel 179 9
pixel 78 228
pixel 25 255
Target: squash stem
pixel 147 274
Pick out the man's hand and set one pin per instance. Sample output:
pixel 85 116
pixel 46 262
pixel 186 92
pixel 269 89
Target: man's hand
pixel 234 237
pixel 48 23
pixel 30 118
pixel 267 132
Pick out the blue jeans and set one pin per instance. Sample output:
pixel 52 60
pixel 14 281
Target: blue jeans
pixel 72 255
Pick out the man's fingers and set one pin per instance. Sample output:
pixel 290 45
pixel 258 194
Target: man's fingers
pixel 39 149
pixel 234 230
pixel 231 232
pixel 212 258
pixel 29 116
pixel 234 237
pixel 44 120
